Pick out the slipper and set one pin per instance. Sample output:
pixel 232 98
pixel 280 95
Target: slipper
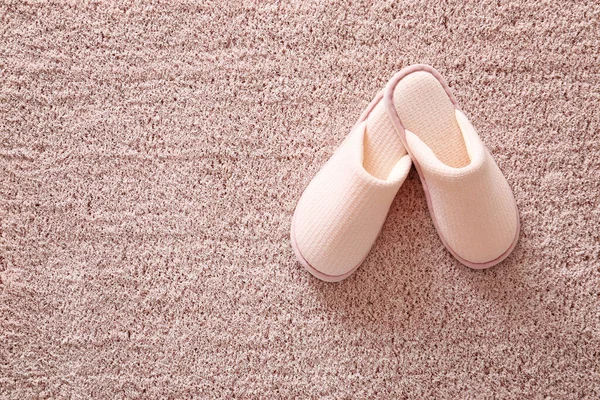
pixel 470 201
pixel 342 211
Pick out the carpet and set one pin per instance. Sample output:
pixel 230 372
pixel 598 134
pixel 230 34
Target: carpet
pixel 152 154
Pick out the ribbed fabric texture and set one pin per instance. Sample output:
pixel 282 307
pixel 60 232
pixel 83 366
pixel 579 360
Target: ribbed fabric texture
pixel 382 145
pixel 342 210
pixel 473 206
pixel 424 108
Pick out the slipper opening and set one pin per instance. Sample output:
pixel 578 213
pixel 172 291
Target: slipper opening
pixel 425 109
pixel 382 148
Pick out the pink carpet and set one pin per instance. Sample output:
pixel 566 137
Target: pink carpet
pixel 151 156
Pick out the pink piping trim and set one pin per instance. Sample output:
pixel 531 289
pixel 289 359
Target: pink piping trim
pixel 298 253
pixel 313 270
pixel 389 102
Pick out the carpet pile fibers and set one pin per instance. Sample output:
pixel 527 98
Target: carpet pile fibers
pixel 152 154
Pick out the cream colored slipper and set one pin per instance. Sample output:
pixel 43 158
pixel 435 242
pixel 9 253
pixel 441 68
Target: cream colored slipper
pixel 341 212
pixel 469 199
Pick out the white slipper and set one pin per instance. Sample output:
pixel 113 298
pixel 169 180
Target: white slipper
pixel 341 212
pixel 470 201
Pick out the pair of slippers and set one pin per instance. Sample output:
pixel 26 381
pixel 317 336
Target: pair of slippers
pixel 415 119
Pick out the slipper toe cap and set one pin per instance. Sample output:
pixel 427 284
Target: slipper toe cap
pixel 341 212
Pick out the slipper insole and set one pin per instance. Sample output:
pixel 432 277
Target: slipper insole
pixel 425 109
pixel 382 145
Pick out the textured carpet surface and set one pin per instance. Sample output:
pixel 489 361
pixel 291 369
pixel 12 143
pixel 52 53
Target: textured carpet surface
pixel 151 156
